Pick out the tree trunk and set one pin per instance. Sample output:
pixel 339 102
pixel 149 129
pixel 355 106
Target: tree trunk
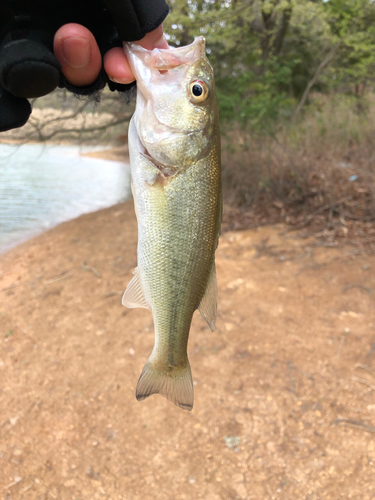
pixel 282 30
pixel 274 33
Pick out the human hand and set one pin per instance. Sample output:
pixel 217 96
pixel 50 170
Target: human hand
pixel 88 52
pixel 78 53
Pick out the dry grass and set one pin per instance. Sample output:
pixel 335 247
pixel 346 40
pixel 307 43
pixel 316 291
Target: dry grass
pixel 331 143
pixel 322 170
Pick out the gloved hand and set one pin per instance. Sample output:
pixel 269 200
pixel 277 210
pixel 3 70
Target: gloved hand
pixel 29 68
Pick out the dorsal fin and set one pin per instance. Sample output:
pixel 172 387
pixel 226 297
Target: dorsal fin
pixel 133 296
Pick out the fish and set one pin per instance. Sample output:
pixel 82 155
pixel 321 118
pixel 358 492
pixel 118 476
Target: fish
pixel 174 149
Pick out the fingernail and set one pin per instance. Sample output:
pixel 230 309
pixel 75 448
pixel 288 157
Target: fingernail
pixel 118 80
pixel 76 51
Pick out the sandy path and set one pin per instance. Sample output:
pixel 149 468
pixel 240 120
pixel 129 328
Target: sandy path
pixel 285 386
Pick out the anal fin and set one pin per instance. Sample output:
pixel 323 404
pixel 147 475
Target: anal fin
pixel 133 296
pixel 208 305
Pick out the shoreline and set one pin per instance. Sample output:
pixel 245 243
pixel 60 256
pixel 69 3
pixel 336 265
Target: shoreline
pixel 120 153
pixel 112 153
pixel 117 154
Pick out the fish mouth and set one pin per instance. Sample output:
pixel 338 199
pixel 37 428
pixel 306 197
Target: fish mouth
pixel 165 170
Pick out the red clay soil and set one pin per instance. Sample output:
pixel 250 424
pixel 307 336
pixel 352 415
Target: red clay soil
pixel 284 388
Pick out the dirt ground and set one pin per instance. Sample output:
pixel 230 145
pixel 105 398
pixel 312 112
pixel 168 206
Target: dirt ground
pixel 284 388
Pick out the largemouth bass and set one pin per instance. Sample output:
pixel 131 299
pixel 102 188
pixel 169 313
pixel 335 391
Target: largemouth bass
pixel 174 148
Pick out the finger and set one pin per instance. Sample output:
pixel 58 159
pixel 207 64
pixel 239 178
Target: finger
pixel 117 67
pixel 116 64
pixel 78 53
pixel 154 40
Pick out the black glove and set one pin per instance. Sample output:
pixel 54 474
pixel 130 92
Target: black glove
pixel 28 67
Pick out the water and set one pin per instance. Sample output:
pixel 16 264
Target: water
pixel 41 186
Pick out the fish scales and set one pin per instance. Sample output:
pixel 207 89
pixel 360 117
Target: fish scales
pixel 176 182
pixel 177 268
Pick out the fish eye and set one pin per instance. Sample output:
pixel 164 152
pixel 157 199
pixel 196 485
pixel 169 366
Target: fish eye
pixel 198 91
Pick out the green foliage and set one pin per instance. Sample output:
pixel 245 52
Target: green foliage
pixel 265 52
pixel 255 100
pixel 353 23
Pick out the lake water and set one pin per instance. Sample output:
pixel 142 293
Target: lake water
pixel 43 185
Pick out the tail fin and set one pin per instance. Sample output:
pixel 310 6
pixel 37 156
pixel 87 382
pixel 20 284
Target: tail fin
pixel 176 385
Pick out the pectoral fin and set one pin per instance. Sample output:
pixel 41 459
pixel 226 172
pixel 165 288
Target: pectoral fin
pixel 208 305
pixel 133 296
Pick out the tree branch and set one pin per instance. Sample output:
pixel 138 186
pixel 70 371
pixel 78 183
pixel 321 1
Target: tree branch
pixel 86 130
pixel 313 80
